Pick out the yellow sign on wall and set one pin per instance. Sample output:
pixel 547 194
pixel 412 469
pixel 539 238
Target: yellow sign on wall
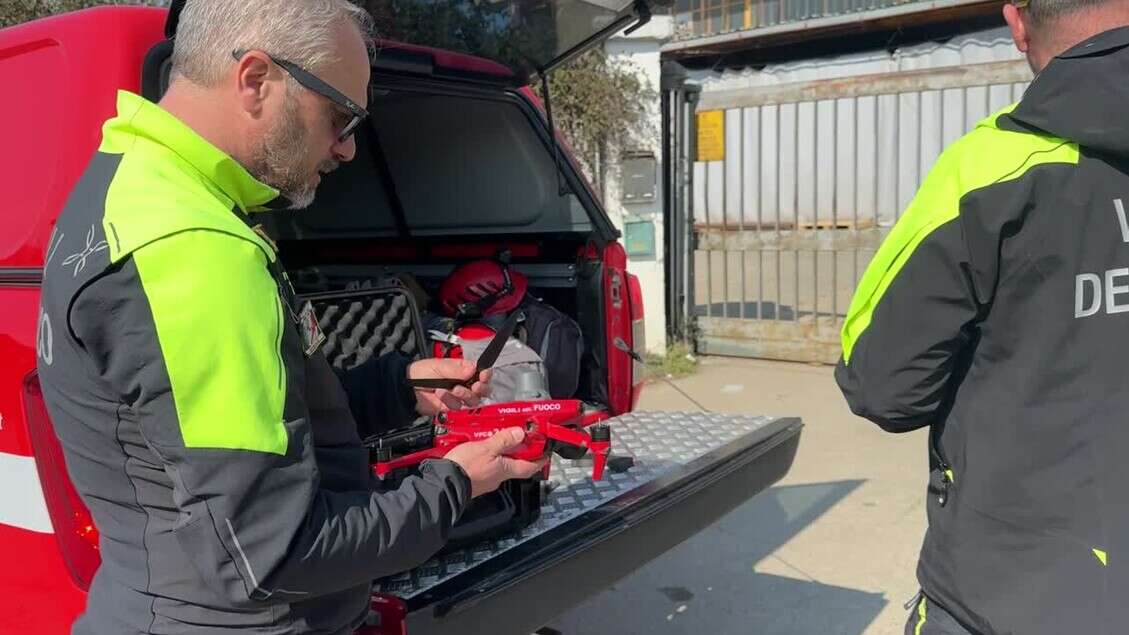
pixel 711 135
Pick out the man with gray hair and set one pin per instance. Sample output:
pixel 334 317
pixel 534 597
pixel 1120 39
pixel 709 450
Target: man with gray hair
pixel 995 314
pixel 214 445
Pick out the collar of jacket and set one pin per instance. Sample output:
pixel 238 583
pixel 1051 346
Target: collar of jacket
pixel 1100 44
pixel 1078 96
pixel 139 117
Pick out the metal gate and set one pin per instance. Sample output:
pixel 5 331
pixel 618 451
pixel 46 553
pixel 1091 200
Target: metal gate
pixel 768 243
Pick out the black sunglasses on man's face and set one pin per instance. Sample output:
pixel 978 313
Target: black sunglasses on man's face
pixel 315 83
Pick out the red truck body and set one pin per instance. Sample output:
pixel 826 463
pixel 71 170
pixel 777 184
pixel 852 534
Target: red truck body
pixel 63 73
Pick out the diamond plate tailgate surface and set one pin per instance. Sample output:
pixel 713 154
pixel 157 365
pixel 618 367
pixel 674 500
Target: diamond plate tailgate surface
pixel 659 442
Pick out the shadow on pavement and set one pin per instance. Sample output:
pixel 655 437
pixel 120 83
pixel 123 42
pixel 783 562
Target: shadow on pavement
pixel 708 584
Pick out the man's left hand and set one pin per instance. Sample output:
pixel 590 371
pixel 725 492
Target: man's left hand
pixel 430 402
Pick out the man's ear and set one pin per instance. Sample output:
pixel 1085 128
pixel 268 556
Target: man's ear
pixel 252 74
pixel 1018 29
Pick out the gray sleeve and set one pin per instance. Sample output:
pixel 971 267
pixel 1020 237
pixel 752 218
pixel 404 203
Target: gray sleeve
pixel 255 521
pixel 380 397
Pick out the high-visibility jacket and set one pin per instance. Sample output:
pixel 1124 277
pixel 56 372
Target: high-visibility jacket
pixel 220 461
pixel 997 313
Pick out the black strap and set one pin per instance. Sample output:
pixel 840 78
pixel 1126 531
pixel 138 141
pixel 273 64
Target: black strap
pixel 175 7
pixel 281 279
pixel 155 71
pixel 384 171
pixel 486 360
pixel 944 481
pixel 472 311
pixel 545 95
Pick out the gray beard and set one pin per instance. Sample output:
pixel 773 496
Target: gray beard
pixel 277 161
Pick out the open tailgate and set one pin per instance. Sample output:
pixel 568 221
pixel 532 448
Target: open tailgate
pixel 690 469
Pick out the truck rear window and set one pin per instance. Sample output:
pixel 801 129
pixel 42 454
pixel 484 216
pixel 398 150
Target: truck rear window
pixel 458 165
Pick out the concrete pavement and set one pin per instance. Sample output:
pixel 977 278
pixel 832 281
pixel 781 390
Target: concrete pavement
pixel 830 549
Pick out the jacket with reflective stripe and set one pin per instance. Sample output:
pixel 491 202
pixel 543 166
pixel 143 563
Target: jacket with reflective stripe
pixel 997 313
pixel 221 464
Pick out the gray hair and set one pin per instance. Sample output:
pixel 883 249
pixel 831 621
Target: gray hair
pixel 300 31
pixel 1048 11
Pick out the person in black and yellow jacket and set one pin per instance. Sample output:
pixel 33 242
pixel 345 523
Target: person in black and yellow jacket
pixel 996 313
pixel 214 445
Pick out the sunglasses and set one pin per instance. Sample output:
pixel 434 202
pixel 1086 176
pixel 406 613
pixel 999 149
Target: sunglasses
pixel 314 83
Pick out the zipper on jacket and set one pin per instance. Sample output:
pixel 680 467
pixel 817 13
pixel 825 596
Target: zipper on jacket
pixel 945 469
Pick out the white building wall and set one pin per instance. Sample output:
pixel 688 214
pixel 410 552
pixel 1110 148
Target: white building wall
pixel 642 49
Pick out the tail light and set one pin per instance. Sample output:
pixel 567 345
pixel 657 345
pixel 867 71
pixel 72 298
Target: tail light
pixel 623 308
pixel 74 528
pixel 638 338
pixel 386 617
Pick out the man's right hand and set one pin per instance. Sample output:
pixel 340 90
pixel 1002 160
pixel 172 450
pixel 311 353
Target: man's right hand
pixel 486 464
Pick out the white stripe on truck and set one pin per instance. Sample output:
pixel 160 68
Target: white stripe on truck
pixel 21 502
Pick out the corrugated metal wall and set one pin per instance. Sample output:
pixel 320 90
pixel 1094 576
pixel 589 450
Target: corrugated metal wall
pixel 820 160
pixel 876 149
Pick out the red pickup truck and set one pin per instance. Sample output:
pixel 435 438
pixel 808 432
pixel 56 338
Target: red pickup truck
pixel 458 160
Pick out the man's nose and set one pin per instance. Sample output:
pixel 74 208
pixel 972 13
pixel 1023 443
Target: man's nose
pixel 344 151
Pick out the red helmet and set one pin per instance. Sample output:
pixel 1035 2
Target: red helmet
pixel 486 286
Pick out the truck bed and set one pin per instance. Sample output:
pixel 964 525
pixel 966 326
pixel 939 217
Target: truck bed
pixel 690 469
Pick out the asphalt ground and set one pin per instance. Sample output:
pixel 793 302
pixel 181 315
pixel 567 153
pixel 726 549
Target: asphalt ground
pixel 830 549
